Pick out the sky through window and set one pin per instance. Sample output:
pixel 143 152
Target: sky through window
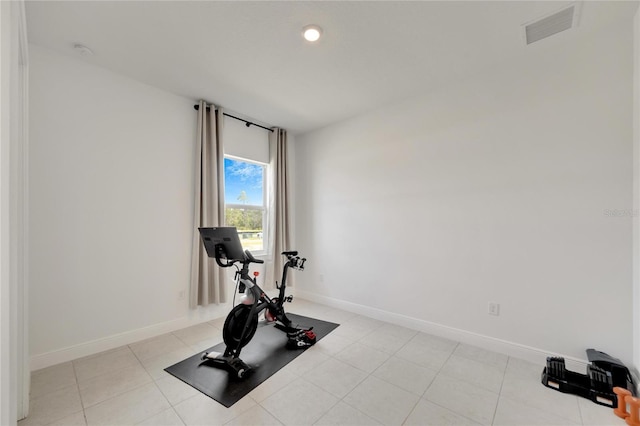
pixel 243 182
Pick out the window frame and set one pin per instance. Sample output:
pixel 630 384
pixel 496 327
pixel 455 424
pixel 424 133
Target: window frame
pixel 264 207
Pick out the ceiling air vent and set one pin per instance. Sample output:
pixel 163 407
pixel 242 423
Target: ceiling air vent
pixel 560 21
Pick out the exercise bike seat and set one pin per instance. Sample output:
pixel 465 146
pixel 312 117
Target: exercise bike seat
pixel 290 253
pixel 252 259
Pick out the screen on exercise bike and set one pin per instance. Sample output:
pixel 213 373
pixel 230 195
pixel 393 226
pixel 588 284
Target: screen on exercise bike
pixel 227 237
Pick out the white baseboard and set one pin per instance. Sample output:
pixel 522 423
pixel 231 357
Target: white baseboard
pixel 516 350
pixel 528 353
pixel 92 347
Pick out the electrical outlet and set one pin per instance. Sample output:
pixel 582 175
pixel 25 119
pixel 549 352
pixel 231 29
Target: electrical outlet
pixel 321 278
pixel 494 308
pixel 181 295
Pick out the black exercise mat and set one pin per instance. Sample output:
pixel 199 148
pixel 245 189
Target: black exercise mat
pixel 266 353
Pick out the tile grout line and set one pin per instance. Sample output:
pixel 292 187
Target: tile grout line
pixel 300 377
pixel 504 374
pixel 153 380
pixel 341 400
pixel 435 376
pixel 410 362
pixel 391 355
pixel 75 376
pixel 430 383
pixel 371 374
pixel 434 379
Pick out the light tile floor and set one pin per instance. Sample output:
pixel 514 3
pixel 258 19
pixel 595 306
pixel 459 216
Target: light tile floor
pixel 366 372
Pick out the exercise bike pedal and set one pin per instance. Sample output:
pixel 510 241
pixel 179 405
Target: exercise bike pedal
pixel 298 331
pixel 288 299
pixel 301 339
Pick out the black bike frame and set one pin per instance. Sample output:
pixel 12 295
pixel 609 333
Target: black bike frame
pixel 260 301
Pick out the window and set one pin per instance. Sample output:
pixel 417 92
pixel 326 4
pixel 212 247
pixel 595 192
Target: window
pixel 244 198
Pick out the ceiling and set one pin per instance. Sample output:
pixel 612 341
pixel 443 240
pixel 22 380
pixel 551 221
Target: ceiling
pixel 250 57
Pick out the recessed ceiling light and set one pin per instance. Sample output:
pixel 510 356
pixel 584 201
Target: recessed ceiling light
pixel 312 33
pixel 82 49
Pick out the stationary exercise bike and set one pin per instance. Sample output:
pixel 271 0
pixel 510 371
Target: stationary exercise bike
pixel 242 322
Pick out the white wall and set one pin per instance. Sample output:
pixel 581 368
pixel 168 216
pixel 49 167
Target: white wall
pixel 514 186
pixel 111 209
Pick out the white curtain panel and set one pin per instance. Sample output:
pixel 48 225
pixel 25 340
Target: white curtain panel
pixel 279 227
pixel 207 279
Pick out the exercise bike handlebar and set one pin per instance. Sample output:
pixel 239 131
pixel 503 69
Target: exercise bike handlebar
pixel 220 253
pixel 248 258
pixel 294 261
pixel 251 259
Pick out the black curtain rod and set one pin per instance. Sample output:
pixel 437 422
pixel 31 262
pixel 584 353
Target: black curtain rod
pixel 247 123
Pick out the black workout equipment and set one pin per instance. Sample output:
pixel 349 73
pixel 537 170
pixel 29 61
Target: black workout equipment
pixel 603 374
pixel 222 243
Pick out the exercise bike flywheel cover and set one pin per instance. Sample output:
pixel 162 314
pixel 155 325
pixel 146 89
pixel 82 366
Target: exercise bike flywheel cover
pixel 235 323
